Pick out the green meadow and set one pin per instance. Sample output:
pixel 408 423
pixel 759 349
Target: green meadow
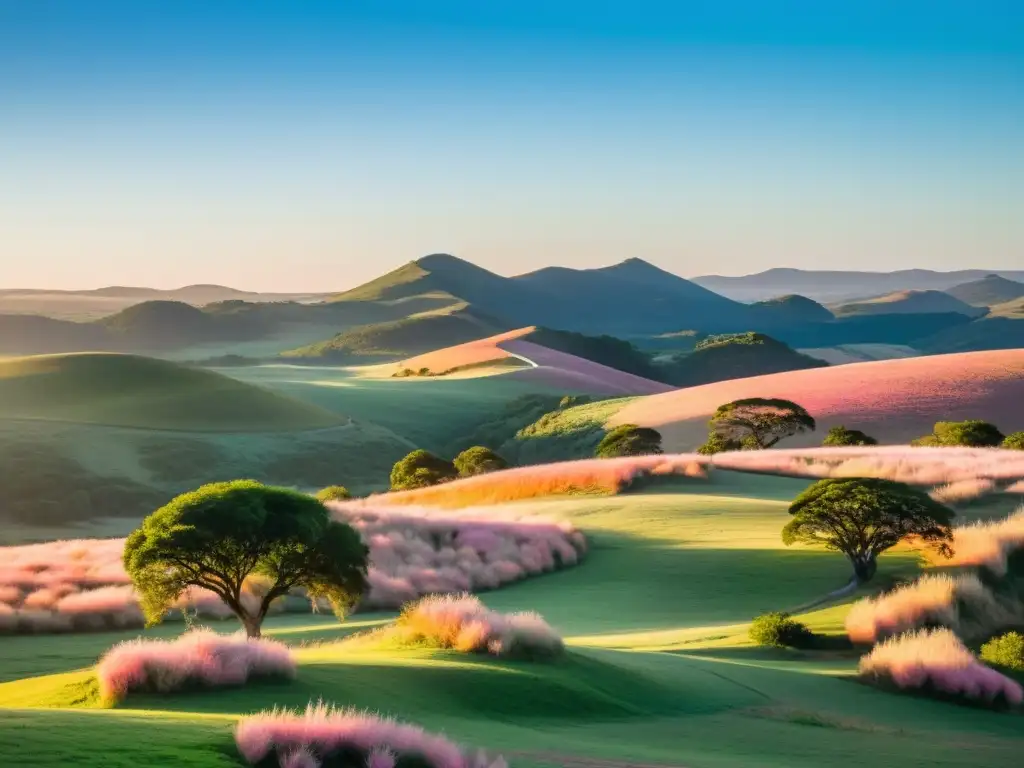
pixel 659 670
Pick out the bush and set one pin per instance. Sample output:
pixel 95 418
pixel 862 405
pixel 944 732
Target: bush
pixel 334 493
pixel 972 433
pixel 936 663
pixel 779 630
pixel 478 460
pixel 197 658
pixel 841 436
pixel 1005 651
pixel 323 735
pixel 463 623
pixel 629 440
pixel 420 469
pixel 1014 441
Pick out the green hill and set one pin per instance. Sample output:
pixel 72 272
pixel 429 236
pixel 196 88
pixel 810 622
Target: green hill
pixel 987 292
pixel 793 308
pixel 131 391
pixel 908 302
pixel 738 356
pixel 396 339
pixel 1002 328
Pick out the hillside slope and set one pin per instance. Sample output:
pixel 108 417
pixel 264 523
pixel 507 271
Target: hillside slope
pixel 131 391
pixel 1002 328
pixel 732 357
pixel 908 302
pixel 988 292
pixel 892 400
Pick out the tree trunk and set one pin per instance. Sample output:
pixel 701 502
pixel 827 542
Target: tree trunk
pixel 864 567
pixel 252 625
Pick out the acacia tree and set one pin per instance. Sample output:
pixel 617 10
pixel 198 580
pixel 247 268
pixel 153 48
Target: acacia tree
pixel 629 440
pixel 840 436
pixel 420 469
pixel 218 536
pixel 758 422
pixel 972 433
pixel 863 517
pixel 478 460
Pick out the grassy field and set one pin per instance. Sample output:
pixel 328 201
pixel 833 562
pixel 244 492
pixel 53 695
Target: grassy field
pixel 659 670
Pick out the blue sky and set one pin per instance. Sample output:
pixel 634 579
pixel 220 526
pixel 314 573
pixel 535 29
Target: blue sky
pixel 312 145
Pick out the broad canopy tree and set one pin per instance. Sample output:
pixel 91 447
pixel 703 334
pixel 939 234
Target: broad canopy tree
pixel 758 422
pixel 863 517
pixel 420 469
pixel 972 433
pixel 218 536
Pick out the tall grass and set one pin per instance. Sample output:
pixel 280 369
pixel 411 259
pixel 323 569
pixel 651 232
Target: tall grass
pixel 326 735
pixel 463 623
pixel 81 585
pixel 607 476
pixel 988 543
pixel 935 661
pixel 961 603
pixel 196 658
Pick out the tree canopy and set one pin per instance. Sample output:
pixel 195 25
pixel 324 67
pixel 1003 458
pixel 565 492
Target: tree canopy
pixel 840 436
pixel 478 460
pixel 222 534
pixel 420 469
pixel 759 422
pixel 333 493
pixel 1014 441
pixel 972 433
pixel 629 440
pixel 863 517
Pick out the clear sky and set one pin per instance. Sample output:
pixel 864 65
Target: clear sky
pixel 313 145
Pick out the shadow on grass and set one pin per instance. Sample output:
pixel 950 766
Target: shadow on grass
pixel 574 689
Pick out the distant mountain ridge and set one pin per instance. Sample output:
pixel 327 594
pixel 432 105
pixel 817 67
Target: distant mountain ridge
pixel 841 285
pixel 908 302
pixel 990 291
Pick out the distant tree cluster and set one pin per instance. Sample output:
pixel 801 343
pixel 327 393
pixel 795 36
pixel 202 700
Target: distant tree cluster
pixel 421 469
pixel 972 433
pixel 629 440
pixel 841 436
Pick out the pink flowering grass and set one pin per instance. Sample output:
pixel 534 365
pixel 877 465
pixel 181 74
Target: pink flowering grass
pixel 325 734
pixel 988 543
pixel 463 623
pixel 81 585
pixel 937 662
pixel 961 603
pixel 198 658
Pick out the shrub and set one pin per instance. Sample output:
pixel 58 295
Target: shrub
pixel 779 630
pixel 197 658
pixel 1014 441
pixel 420 469
pixel 841 436
pixel 324 735
pixel 463 623
pixel 972 433
pixel 1005 651
pixel 629 440
pixel 334 493
pixel 478 460
pixel 937 663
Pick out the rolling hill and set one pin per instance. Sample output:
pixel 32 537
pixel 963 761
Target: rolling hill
pixel 987 292
pixel 732 357
pixel 916 302
pixel 538 364
pixel 795 309
pixel 892 400
pixel 837 285
pixel 140 392
pixel 630 297
pixel 391 340
pixel 1001 328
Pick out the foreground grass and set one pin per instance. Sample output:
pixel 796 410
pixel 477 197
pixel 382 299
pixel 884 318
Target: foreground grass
pixel 658 670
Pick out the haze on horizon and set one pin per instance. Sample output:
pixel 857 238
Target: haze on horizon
pixel 314 146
